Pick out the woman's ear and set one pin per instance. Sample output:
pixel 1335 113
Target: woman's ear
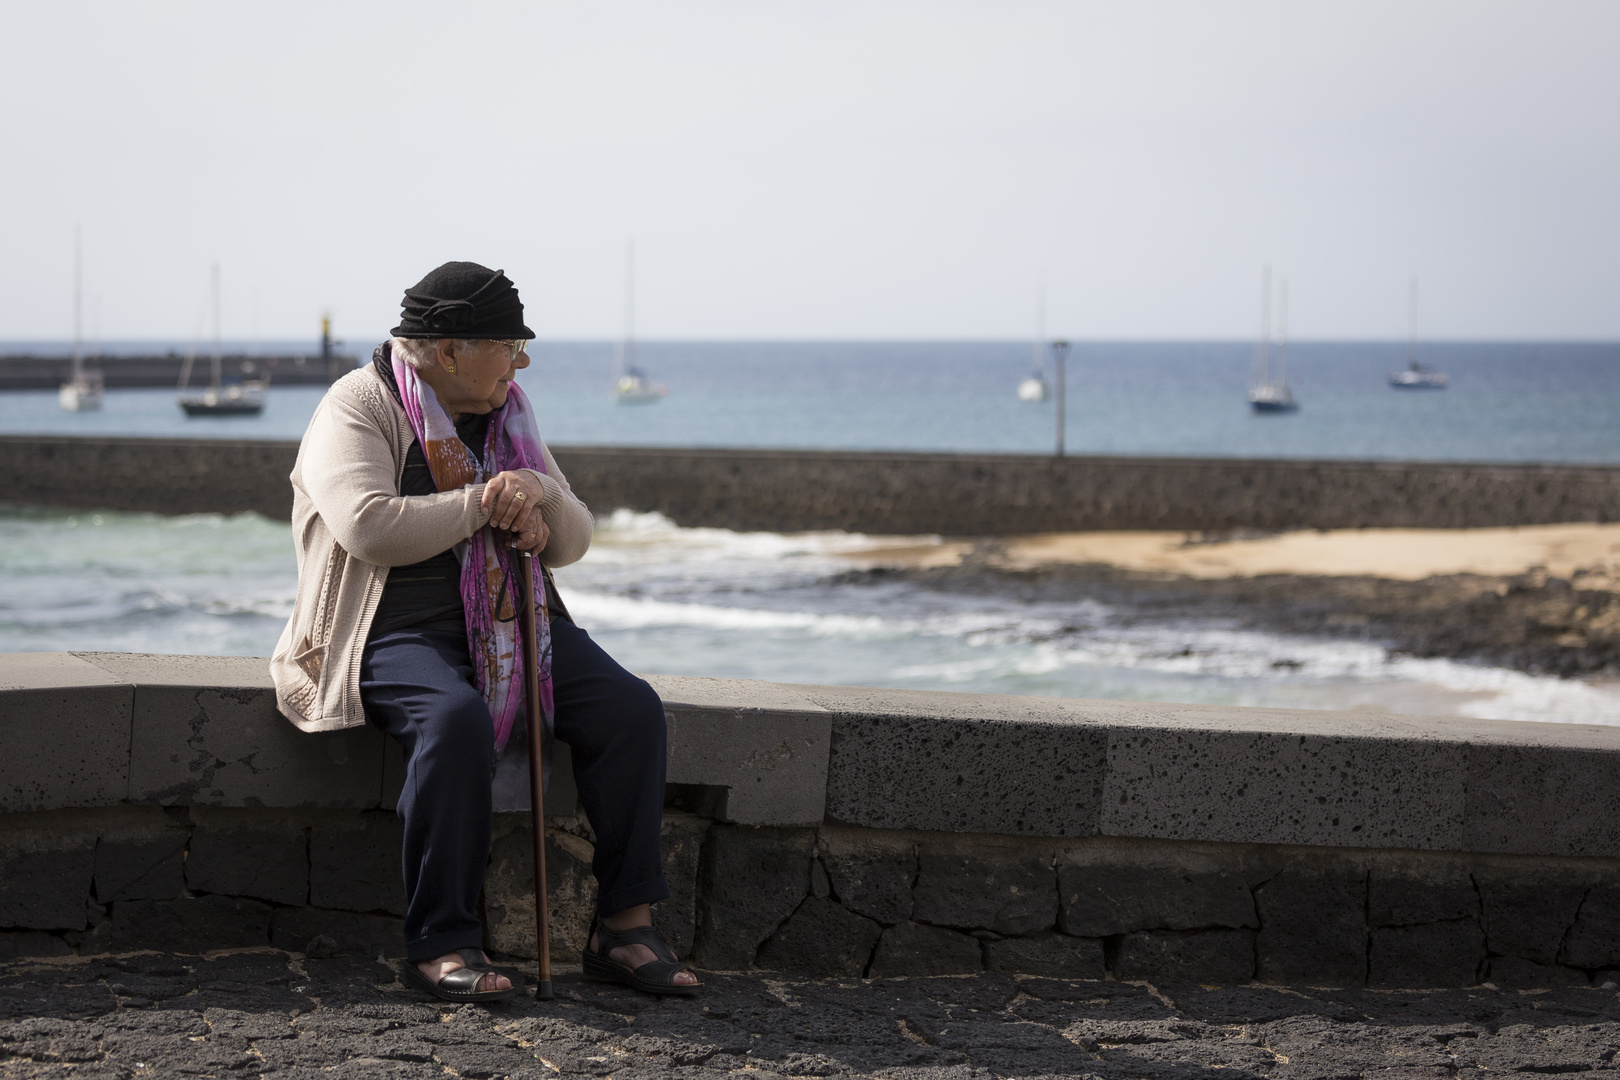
pixel 446 355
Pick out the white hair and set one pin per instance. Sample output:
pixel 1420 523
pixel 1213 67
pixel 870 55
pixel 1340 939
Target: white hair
pixel 420 352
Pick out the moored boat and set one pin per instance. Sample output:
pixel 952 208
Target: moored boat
pixel 244 398
pixel 1269 391
pixel 1416 376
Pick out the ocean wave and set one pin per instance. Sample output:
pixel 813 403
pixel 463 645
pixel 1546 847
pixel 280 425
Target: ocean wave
pixel 625 536
pixel 629 613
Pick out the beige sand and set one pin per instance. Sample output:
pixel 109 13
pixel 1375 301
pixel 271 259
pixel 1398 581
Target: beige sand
pixel 1403 554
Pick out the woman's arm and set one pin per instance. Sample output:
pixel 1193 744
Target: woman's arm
pixel 569 519
pixel 346 466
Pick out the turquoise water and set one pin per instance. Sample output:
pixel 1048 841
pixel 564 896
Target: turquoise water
pixel 767 606
pixel 1507 402
pixel 743 605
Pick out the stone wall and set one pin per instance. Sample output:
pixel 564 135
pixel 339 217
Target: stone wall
pixel 829 901
pixel 846 832
pixel 951 494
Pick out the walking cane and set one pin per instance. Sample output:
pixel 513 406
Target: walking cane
pixel 537 794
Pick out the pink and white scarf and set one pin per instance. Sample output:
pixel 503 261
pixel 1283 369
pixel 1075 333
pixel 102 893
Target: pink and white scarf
pixel 490 582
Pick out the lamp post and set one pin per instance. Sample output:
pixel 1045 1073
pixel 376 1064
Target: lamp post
pixel 1060 353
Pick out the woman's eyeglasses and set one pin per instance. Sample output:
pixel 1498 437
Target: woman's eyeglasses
pixel 514 346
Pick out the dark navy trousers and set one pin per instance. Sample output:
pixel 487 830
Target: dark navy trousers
pixel 417 685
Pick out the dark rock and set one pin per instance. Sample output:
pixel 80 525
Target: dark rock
pixel 1313 926
pixel 244 853
pixel 1425 956
pixel 1528 911
pixel 91 942
pixel 753 879
pixel 354 863
pixel 46 865
pixel 509 922
pixel 910 949
pixel 141 856
pixel 1409 893
pixel 1594 940
pixel 870 872
pixel 343 933
pixel 1115 893
pixel 31 943
pixel 1052 955
pixel 1199 956
pixel 1513 973
pixel 675 918
pixel 192 925
pixel 1011 890
pixel 822 939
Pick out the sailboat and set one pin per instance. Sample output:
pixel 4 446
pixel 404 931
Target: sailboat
pixel 630 384
pixel 1268 389
pixel 82 392
pixel 1416 376
pixel 237 399
pixel 1034 389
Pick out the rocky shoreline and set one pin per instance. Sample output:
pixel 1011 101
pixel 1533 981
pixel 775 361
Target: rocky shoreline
pixel 1532 622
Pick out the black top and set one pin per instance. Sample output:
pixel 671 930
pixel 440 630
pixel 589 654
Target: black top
pixel 427 594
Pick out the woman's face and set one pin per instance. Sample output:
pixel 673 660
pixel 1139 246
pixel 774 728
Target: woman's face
pixel 476 379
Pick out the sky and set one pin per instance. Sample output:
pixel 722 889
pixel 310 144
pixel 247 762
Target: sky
pixel 822 170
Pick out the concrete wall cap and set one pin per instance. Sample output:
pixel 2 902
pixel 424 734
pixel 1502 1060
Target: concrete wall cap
pixel 164 669
pixel 52 671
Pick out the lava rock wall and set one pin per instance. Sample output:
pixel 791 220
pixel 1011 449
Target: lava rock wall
pixel 949 494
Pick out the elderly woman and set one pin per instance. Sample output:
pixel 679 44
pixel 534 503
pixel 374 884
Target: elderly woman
pixel 417 477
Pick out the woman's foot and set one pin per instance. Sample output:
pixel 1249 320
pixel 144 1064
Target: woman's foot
pixel 634 956
pixel 435 970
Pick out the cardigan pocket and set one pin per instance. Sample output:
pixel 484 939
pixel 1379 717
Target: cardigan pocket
pixel 314 632
pixel 320 630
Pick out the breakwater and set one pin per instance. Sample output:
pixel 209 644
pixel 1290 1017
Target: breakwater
pixel 950 494
pixel 120 372
pixel 835 831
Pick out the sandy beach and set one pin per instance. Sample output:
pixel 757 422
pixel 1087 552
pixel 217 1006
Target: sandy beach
pixel 1590 552
pixel 1543 599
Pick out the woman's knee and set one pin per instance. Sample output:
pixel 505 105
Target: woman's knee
pixel 641 709
pixel 458 728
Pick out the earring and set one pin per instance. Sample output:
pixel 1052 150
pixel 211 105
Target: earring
pixel 451 368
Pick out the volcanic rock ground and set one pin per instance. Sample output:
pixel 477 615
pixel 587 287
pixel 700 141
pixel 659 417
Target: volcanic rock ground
pixel 267 1013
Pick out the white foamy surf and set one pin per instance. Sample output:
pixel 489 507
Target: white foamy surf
pixel 747 605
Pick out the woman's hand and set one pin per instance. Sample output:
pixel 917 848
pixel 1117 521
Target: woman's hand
pixel 512 501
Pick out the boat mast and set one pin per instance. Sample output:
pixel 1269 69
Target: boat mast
pixel 1282 332
pixel 1039 346
pixel 215 360
pixel 624 351
pixel 1265 325
pixel 1411 325
pixel 78 306
pixel 630 304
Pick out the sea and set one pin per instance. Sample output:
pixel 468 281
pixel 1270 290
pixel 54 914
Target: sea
pixel 784 607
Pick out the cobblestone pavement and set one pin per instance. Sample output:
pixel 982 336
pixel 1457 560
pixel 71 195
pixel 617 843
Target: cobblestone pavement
pixel 271 1013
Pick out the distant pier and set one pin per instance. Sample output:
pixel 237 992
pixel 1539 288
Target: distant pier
pixel 24 372
pixel 907 494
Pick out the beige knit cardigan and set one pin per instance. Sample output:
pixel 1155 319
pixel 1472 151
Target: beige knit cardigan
pixel 350 524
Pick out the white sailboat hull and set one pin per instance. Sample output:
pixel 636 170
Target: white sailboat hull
pixel 80 395
pixel 636 390
pixel 1032 390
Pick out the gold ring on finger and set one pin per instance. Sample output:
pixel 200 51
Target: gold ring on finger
pixel 520 496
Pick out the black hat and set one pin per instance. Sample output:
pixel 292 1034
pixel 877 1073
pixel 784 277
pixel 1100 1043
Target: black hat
pixel 463 300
